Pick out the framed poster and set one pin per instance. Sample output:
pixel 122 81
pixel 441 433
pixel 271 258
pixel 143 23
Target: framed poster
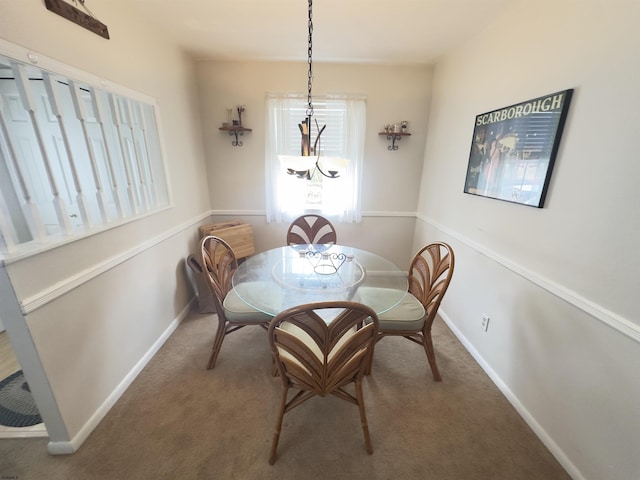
pixel 513 149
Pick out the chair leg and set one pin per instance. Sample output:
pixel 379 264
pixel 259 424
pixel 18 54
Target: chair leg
pixel 217 344
pixel 363 417
pixel 431 356
pixel 367 370
pixel 370 361
pixel 276 435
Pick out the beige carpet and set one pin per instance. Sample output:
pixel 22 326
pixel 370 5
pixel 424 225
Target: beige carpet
pixel 180 421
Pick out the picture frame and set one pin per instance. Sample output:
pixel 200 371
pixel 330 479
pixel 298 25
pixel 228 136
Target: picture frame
pixel 513 149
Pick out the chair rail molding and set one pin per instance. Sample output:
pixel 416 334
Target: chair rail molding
pixel 262 213
pixel 609 318
pixel 63 287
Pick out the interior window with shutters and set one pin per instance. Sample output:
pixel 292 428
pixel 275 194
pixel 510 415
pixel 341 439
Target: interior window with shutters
pixel 340 149
pixel 74 158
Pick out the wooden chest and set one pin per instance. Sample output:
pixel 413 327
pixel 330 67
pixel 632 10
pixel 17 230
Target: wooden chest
pixel 237 234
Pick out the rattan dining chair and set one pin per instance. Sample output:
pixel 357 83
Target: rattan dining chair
pixel 311 229
pixel 430 273
pixel 218 265
pixel 316 357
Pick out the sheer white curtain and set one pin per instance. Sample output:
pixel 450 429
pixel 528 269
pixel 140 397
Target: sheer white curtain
pixel 287 195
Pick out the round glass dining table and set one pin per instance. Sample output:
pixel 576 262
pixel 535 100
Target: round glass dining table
pixel 285 277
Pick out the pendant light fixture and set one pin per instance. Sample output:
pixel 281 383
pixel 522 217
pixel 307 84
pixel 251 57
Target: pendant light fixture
pixel 305 165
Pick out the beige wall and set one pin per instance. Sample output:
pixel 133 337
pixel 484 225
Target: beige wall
pixel 559 283
pixel 391 179
pixel 85 317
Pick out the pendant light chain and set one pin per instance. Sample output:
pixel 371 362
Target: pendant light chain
pixel 310 61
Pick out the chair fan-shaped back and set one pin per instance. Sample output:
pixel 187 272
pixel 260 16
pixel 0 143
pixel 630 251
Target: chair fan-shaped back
pixel 430 274
pixel 321 357
pixel 311 229
pixel 218 264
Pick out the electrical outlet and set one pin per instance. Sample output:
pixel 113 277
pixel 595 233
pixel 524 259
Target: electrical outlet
pixel 485 322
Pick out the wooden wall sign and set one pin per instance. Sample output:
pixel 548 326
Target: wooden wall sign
pixel 77 16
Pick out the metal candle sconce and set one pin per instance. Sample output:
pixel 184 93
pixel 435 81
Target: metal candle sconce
pixel 325 263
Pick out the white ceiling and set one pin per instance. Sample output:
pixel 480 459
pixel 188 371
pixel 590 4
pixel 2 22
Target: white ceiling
pixel 386 31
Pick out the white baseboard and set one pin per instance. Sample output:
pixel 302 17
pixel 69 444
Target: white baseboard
pixel 540 432
pixel 65 448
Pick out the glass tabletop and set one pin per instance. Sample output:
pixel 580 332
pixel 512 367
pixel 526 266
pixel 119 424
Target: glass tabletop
pixel 284 277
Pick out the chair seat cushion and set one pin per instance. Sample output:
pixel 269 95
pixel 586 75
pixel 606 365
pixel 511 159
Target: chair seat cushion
pixel 409 314
pixel 237 310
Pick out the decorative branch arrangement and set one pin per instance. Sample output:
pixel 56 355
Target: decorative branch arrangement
pixel 240 110
pixel 305 130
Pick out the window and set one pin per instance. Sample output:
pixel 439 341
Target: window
pixel 289 196
pixel 74 158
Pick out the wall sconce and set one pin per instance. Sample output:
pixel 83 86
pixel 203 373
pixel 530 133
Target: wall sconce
pixel 234 127
pixel 394 133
